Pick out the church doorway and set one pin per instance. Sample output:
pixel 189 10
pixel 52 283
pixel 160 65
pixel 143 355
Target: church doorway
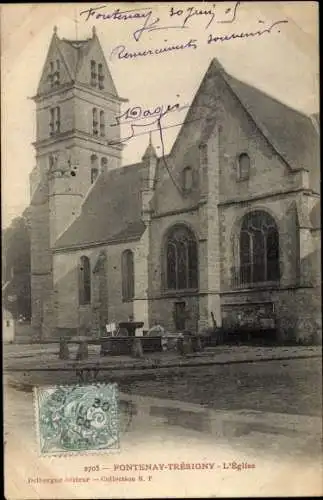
pixel 180 316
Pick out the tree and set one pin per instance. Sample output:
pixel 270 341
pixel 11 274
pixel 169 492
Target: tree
pixel 16 267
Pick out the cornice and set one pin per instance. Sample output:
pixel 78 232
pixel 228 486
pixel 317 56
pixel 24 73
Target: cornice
pixel 75 134
pixel 78 86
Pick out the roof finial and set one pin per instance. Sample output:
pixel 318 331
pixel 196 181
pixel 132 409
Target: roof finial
pixel 150 151
pixel 93 31
pixel 55 30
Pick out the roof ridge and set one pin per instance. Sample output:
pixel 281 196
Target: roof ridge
pixel 284 154
pixel 118 196
pixel 82 54
pixel 263 128
pixel 273 98
pixel 72 42
pixel 246 94
pixel 215 63
pixel 139 163
pixel 78 51
pixel 64 59
pixel 85 199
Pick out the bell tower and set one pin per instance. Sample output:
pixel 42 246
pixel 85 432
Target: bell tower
pixel 77 137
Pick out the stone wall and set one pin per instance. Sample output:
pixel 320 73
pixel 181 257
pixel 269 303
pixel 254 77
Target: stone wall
pixel 269 173
pixel 41 261
pixel 296 310
pixel 69 312
pixel 162 311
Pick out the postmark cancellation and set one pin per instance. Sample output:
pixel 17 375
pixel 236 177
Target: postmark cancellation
pixel 77 419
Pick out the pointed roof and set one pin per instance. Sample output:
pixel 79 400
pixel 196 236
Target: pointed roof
pixel 150 151
pixel 74 52
pixel 111 212
pixel 291 133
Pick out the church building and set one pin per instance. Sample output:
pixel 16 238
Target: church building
pixel 226 226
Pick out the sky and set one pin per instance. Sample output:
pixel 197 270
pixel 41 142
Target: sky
pixel 282 63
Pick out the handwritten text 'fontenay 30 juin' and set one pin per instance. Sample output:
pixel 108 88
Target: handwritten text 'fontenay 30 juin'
pixel 145 20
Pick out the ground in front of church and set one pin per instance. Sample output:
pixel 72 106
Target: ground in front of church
pixel 272 379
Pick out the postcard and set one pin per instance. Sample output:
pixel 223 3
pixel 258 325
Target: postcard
pixel 161 233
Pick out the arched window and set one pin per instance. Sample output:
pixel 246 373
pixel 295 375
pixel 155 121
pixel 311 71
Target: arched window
pixel 101 76
pixel 243 167
pixel 259 248
pixel 181 259
pixel 84 280
pixel 102 124
pixel 187 180
pixel 51 73
pixel 93 73
pixel 51 161
pixel 94 174
pixel 57 73
pixel 55 120
pixel 52 121
pixel 128 275
pixel 94 160
pixel 58 119
pixel 104 164
pixel 94 168
pixel 95 121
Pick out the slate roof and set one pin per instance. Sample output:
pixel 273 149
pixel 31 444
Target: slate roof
pixel 111 212
pixel 74 52
pixel 290 132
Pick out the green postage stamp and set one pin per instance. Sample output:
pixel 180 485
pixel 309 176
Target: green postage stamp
pixel 77 419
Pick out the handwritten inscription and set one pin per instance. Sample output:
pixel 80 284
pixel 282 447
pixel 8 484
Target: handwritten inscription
pixel 138 112
pixel 232 36
pixel 150 23
pixel 210 14
pixel 177 19
pixel 151 118
pixel 121 52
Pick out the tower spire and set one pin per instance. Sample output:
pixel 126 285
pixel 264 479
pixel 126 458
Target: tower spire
pixel 150 151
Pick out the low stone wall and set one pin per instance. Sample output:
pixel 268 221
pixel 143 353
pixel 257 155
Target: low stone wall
pixel 65 333
pixel 24 333
pixel 296 311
